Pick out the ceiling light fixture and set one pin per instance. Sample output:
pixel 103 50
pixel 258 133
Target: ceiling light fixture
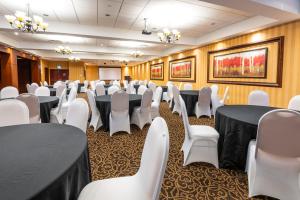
pixel 63 50
pixel 167 36
pixel 24 22
pixel 137 54
pixel 74 59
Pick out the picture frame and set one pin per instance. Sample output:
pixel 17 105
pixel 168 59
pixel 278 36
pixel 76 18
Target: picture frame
pixel 157 71
pixel 183 69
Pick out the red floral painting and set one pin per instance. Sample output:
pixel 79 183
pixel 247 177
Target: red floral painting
pixel 181 69
pixel 246 64
pixel 156 72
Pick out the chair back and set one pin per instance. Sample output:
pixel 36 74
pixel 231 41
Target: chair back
pixel 42 91
pixel 225 95
pixel 28 88
pixel 13 112
pixel 85 83
pixel 146 100
pixel 33 105
pixel 188 86
pixel 259 98
pixel 100 90
pixel 130 89
pixel 214 90
pixel 102 82
pixel 125 83
pixel 72 94
pixel 93 85
pixel 185 119
pixel 119 103
pixel 33 88
pixel 170 91
pixel 204 97
pixel 35 84
pixel 9 92
pixel 57 84
pixel 112 89
pixel 45 83
pixel 154 158
pixel 78 113
pixel 278 133
pixel 142 89
pixel 152 86
pixel 92 102
pixel 176 95
pixel 294 103
pixel 157 95
pixel 62 97
pixel 60 89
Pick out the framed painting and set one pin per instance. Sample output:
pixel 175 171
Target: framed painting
pixel 157 71
pixel 244 64
pixel 183 69
pixel 258 63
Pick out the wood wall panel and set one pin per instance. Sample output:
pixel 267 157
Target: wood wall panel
pixel 238 94
pixel 92 72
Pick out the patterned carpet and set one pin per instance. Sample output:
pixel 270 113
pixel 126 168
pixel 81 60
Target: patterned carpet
pixel 120 155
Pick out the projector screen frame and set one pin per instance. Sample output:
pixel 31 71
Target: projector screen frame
pixel 115 67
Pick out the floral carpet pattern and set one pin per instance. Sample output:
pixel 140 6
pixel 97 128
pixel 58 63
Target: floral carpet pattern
pixel 120 155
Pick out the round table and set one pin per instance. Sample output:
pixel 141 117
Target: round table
pixel 190 98
pixel 237 126
pixel 43 161
pixel 53 91
pixel 103 104
pixel 46 104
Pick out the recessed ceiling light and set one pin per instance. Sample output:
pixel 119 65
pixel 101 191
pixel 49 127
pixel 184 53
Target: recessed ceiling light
pixel 107 15
pixel 16 33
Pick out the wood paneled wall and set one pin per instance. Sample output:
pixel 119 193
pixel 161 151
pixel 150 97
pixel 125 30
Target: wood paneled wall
pixel 238 94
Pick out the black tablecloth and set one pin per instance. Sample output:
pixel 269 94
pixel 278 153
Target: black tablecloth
pixel 104 106
pixel 79 87
pixel 136 87
pixel 43 162
pixel 190 98
pixel 237 125
pixel 46 104
pixel 53 91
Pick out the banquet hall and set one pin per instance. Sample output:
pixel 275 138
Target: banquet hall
pixel 149 99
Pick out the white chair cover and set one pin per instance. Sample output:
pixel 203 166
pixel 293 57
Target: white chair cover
pixel 156 103
pixel 142 89
pixel 102 82
pixel 259 98
pixel 167 96
pixel 57 84
pixel 294 103
pixel 176 101
pixel 203 105
pixel 71 98
pixel 274 160
pixel 112 89
pixel 9 92
pixel 33 104
pixel 78 114
pixel 214 90
pixel 119 116
pixel 13 112
pixel 42 91
pixel 93 85
pixel 130 89
pixel 96 121
pixel 200 142
pixel 187 86
pixel 146 183
pixel 33 88
pixel 85 86
pixel 142 115
pixel 28 88
pixel 125 84
pixel 45 83
pixel 56 115
pixel 60 89
pixel 152 86
pixel 216 102
pixel 100 90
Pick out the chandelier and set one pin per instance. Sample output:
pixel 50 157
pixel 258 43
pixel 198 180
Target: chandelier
pixel 63 50
pixel 168 36
pixel 137 54
pixel 24 22
pixel 74 59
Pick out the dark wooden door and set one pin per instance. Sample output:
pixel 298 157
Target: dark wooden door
pixel 47 75
pixel 58 75
pixel 24 74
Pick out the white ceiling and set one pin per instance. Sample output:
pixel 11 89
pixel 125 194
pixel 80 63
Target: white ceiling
pixel 114 26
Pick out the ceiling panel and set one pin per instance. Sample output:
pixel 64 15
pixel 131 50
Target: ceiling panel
pixel 86 11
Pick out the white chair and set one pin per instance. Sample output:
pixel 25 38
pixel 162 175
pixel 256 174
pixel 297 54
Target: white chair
pixel 93 85
pixel 146 183
pixel 216 102
pixel 125 84
pixel 156 103
pixel 130 89
pixel 258 98
pixel 119 115
pixel 33 88
pixel 202 106
pixel 60 89
pixel 100 90
pixel 214 90
pixel 56 115
pixel 294 103
pixel 141 89
pixel 176 101
pixel 28 88
pixel 78 114
pixel 142 115
pixel 112 89
pixel 96 121
pixel 85 86
pixel 187 86
pixel 274 159
pixel 45 83
pixel 42 91
pixel 33 104
pixel 102 82
pixel 13 112
pixel 200 142
pixel 152 86
pixel 117 83
pixel 41 83
pixel 9 92
pixel 167 96
pixel 65 105
pixel 57 84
